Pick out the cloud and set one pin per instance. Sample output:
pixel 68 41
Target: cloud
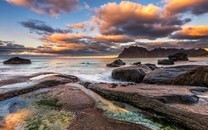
pixel 40 27
pixel 8 47
pixel 113 38
pixel 78 25
pixel 50 7
pixel 133 19
pixel 192 32
pixel 196 7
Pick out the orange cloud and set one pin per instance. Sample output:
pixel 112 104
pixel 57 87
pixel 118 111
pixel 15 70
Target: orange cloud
pixel 78 25
pixel 129 18
pixel 113 38
pixel 179 6
pixel 62 38
pixel 192 32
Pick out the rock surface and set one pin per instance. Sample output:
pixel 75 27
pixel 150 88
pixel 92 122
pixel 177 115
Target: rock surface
pixel 176 103
pixel 179 57
pixel 137 63
pixel 132 73
pixel 116 63
pixel 165 62
pixel 52 103
pixel 17 60
pixel 192 75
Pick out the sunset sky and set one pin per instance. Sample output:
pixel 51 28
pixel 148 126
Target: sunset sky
pixel 100 27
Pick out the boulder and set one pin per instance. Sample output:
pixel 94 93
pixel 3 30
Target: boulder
pixel 151 66
pixel 116 63
pixel 192 75
pixel 132 73
pixel 17 60
pixel 137 63
pixel 165 62
pixel 179 57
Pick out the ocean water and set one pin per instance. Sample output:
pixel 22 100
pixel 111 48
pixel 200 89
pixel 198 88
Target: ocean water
pixel 93 70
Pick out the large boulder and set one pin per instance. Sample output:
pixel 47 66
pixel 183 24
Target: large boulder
pixel 179 57
pixel 165 62
pixel 17 60
pixel 192 75
pixel 116 63
pixel 132 73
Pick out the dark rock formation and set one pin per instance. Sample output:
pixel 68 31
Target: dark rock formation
pixel 140 52
pixel 151 66
pixel 17 60
pixel 175 103
pixel 179 57
pixel 137 63
pixel 116 63
pixel 179 75
pixel 132 73
pixel 165 62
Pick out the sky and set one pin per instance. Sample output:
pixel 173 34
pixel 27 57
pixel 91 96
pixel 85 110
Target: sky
pixel 100 27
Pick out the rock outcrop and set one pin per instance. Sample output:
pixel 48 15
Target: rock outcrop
pixel 165 62
pixel 192 75
pixel 52 103
pixel 132 73
pixel 116 63
pixel 177 104
pixel 17 60
pixel 179 57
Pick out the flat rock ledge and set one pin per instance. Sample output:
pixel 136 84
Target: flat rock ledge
pixel 52 96
pixel 176 103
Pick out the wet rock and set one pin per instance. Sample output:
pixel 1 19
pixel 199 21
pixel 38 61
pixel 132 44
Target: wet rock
pixel 151 66
pixel 179 57
pixel 165 62
pixel 195 77
pixel 116 63
pixel 137 63
pixel 179 75
pixel 177 98
pixel 17 60
pixel 46 82
pixel 94 120
pixel 175 103
pixel 132 73
pixel 113 85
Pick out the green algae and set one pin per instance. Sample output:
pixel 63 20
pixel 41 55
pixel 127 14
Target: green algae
pixel 52 103
pixel 50 120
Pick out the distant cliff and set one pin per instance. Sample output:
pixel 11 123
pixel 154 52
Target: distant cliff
pixel 140 52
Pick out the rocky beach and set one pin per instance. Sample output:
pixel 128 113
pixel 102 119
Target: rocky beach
pixel 142 96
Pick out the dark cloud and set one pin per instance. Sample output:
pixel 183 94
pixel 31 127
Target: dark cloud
pixel 41 27
pixel 50 7
pixel 9 47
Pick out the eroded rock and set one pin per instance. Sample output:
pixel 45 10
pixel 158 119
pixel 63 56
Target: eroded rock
pixel 176 103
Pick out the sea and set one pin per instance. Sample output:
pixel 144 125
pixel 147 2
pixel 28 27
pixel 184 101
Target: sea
pixel 87 69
